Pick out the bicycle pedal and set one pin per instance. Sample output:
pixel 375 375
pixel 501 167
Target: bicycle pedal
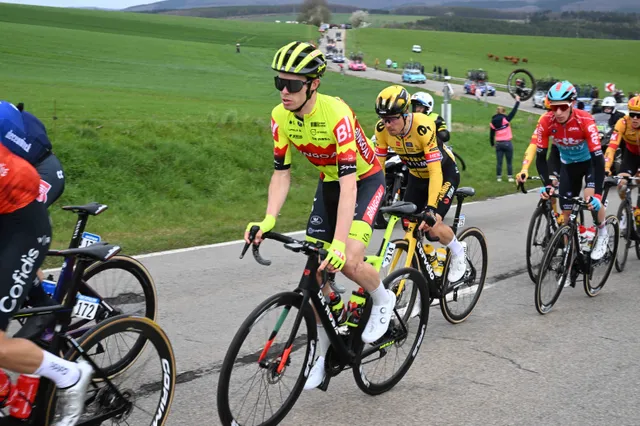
pixel 325 383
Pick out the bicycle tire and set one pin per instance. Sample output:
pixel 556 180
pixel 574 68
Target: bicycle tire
pixel 555 244
pixel 366 384
pixel 539 214
pixel 512 90
pixel 402 245
pixel 281 299
pixel 153 333
pixel 588 288
pixel 445 305
pixel 462 163
pixel 624 208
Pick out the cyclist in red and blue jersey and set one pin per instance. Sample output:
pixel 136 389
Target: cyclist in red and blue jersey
pixel 575 134
pixel 25 236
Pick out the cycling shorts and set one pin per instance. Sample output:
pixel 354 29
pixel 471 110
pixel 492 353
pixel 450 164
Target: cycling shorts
pixel 51 179
pixel 417 191
pixel 324 213
pixel 571 180
pixel 630 163
pixel 25 236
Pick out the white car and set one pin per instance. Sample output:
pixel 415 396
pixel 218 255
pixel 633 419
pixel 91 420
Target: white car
pixel 416 48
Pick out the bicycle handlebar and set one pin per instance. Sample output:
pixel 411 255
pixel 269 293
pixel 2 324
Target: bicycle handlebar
pixel 292 244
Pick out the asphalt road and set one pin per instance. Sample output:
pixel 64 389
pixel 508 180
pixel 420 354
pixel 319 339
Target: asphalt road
pixel 505 365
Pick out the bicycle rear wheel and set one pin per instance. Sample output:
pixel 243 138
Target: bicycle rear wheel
pixel 254 363
pixel 601 269
pixel 538 237
pixel 459 298
pixel 382 364
pixel 555 268
pixel 147 388
pixel 625 222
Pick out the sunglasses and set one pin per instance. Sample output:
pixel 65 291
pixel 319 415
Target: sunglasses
pixel 634 114
pixel 293 86
pixel 389 120
pixel 561 107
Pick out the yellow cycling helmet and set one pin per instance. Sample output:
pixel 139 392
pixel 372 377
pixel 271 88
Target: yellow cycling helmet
pixel 634 104
pixel 394 100
pixel 547 104
pixel 300 58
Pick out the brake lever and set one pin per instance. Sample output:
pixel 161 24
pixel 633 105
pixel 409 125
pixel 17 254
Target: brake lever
pixel 252 235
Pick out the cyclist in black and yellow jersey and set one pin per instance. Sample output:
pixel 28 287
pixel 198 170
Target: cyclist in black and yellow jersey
pixel 351 187
pixel 433 174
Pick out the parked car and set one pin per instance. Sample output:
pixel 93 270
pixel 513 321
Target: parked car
pixel 413 76
pixel 416 48
pixel 357 66
pixel 470 88
pixel 329 55
pixel 338 59
pixel 538 98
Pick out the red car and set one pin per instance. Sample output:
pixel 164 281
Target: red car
pixel 357 66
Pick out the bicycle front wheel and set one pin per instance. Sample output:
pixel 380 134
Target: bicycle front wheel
pixel 554 269
pixel 143 395
pixel 538 237
pixel 625 224
pixel 601 269
pixel 261 379
pixel 459 298
pixel 384 363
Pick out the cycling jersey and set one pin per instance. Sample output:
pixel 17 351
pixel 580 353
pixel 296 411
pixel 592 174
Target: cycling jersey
pixel 530 153
pixel 19 182
pixel 419 149
pixel 23 134
pixel 330 137
pixel 576 139
pixel 623 131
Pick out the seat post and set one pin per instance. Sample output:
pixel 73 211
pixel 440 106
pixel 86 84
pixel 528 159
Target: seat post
pixel 80 226
pixel 460 199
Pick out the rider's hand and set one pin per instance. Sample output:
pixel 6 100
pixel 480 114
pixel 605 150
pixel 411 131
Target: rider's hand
pixel 546 192
pixel 430 211
pixel 594 203
pixel 522 176
pixel 607 172
pixel 266 225
pixel 336 257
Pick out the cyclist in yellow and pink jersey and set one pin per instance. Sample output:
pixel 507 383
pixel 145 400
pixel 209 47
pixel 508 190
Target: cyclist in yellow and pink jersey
pixel 351 187
pixel 627 130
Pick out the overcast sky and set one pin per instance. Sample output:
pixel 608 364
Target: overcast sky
pixel 110 4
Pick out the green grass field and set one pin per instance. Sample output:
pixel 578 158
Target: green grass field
pixel 336 18
pixel 578 60
pixel 170 127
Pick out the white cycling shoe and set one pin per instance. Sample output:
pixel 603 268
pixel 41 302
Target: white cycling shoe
pixel 458 265
pixel 599 248
pixel 71 400
pixel 316 375
pixel 379 320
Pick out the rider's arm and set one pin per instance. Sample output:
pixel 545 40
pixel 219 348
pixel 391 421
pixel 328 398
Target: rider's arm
pixel 381 146
pixel 597 160
pixel 281 178
pixel 346 150
pixel 542 145
pixel 433 155
pixel 441 127
pixel 346 206
pixel 614 141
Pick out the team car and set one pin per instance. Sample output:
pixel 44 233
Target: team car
pixel 357 66
pixel 413 76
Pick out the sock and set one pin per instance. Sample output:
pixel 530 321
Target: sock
pixel 323 342
pixel 379 295
pixel 602 230
pixel 63 373
pixel 455 247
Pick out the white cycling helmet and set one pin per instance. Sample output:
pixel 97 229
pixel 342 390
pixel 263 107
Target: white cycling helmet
pixel 609 102
pixel 424 99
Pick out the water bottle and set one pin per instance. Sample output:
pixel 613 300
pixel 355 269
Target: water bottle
pixel 5 388
pixel 23 396
pixel 586 237
pixel 355 306
pixel 636 216
pixel 337 307
pixel 441 258
pixel 430 251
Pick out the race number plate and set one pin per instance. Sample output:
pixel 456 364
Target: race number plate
pixel 388 254
pixel 86 307
pixel 89 239
pixel 461 220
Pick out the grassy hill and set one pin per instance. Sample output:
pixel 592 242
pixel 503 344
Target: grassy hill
pixel 578 60
pixel 159 118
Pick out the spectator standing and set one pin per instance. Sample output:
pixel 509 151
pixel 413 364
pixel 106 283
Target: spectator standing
pixel 435 72
pixel 389 62
pixel 501 133
pixel 237 47
pixel 446 72
pixel 439 72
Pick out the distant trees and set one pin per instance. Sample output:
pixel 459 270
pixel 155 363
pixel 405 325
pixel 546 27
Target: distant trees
pixel 315 12
pixel 358 18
